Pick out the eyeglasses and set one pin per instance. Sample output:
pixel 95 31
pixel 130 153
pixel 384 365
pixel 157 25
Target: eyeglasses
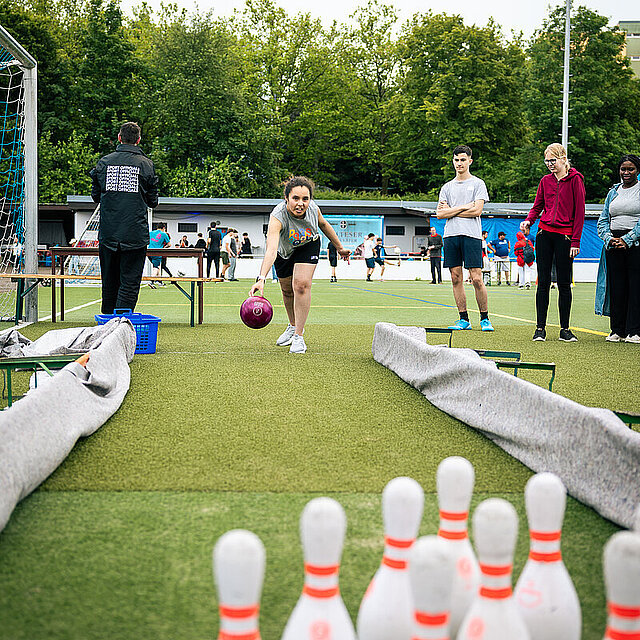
pixel 551 161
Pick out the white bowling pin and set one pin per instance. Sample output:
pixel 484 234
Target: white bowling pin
pixel 455 478
pixel 431 571
pixel 545 594
pixel 622 580
pixel 493 614
pixel 386 611
pixel 238 571
pixel 320 613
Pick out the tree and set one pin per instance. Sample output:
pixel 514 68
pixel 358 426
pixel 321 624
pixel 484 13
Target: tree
pixel 460 85
pixel 604 96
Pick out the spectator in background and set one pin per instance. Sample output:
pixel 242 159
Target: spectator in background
pixel 201 243
pixel 332 254
pixel 501 248
pixel 486 264
pixel 224 253
pixel 618 286
pixel 233 253
pixel 560 204
pixel 245 248
pixel 125 184
pixel 367 254
pixel 214 240
pixel 158 239
pixel 184 242
pixel 16 253
pixel 434 253
pixel 524 259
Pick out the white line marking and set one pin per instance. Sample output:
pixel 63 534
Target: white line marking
pixel 82 306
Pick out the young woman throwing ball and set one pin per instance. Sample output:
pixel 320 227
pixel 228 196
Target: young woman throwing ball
pixel 293 247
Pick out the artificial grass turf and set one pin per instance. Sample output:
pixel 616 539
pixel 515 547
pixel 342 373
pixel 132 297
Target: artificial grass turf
pixel 220 408
pixel 79 565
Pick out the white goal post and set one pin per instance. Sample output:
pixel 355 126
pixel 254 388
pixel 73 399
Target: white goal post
pixel 10 47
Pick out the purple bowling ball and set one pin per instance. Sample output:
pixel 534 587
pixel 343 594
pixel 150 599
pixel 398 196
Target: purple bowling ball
pixel 256 312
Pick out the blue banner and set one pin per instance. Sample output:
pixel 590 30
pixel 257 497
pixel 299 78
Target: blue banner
pixel 590 243
pixel 352 230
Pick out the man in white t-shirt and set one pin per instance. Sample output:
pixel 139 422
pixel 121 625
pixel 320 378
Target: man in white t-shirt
pixel 460 203
pixel 367 254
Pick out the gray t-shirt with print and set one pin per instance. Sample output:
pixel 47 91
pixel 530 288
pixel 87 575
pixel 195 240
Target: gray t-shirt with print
pixel 457 192
pixel 296 231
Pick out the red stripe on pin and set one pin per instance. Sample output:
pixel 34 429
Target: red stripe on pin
pixel 238 613
pixel 432 619
pixel 496 570
pixel 316 570
pixel 542 536
pixel 394 564
pixel 226 635
pixel 623 612
pixel 615 634
pixel 321 593
pixel 399 544
pixel 452 535
pixel 454 515
pixel 556 556
pixel 495 594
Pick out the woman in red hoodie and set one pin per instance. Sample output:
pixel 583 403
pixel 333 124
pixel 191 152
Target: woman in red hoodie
pixel 524 266
pixel 560 204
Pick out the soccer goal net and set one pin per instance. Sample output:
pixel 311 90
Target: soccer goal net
pixel 18 171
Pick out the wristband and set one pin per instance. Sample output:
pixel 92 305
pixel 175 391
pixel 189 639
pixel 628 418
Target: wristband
pixel 260 278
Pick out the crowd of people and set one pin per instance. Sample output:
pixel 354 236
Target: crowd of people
pixel 125 185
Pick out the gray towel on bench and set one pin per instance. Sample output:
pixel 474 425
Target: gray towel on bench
pixel 594 453
pixel 38 431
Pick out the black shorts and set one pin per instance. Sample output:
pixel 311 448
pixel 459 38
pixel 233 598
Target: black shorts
pixel 380 261
pixel 307 253
pixel 333 259
pixel 370 262
pixel 462 251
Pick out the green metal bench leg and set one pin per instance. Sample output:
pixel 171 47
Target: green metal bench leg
pixel 19 300
pixel 193 297
pixel 9 390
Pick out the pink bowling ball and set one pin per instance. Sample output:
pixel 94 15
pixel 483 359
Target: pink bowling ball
pixel 256 312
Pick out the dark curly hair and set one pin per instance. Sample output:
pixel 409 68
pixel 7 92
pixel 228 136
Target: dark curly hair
pixel 630 157
pixel 298 181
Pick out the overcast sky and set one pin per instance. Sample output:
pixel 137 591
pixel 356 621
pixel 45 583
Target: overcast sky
pixel 515 15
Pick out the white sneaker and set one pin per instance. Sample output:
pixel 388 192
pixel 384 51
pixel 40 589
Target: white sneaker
pixel 613 337
pixel 634 339
pixel 285 339
pixel 297 344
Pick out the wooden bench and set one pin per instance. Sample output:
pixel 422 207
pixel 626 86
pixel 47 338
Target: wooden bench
pixel 22 289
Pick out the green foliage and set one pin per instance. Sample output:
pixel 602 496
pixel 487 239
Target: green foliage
pixel 604 95
pixel 233 106
pixel 63 167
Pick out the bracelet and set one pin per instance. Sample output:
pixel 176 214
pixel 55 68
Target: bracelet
pixel 260 278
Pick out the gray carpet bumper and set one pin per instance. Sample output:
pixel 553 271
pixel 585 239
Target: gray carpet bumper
pixel 38 431
pixel 594 453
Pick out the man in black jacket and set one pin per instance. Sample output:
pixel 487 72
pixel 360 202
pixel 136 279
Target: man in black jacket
pixel 434 253
pixel 213 249
pixel 125 184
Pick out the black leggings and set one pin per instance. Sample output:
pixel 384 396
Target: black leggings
pixel 548 246
pixel 623 278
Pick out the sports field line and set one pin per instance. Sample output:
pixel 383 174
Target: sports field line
pixel 280 306
pixel 82 306
pixel 452 306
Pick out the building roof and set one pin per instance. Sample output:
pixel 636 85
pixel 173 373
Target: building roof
pixel 235 206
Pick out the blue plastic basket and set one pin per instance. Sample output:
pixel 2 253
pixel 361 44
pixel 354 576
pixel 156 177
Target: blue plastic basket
pixel 146 327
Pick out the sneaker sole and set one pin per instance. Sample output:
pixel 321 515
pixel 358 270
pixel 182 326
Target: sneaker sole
pixel 487 329
pixel 539 340
pixel 568 339
pixel 286 343
pixel 460 328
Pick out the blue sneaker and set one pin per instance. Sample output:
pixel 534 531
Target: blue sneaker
pixel 486 325
pixel 460 325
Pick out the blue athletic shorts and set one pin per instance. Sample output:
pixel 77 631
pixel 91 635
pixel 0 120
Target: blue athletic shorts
pixel 462 251
pixel 307 253
pixel 370 262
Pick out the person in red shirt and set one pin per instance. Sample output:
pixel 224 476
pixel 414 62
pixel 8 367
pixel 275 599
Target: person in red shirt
pixel 524 267
pixel 560 205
